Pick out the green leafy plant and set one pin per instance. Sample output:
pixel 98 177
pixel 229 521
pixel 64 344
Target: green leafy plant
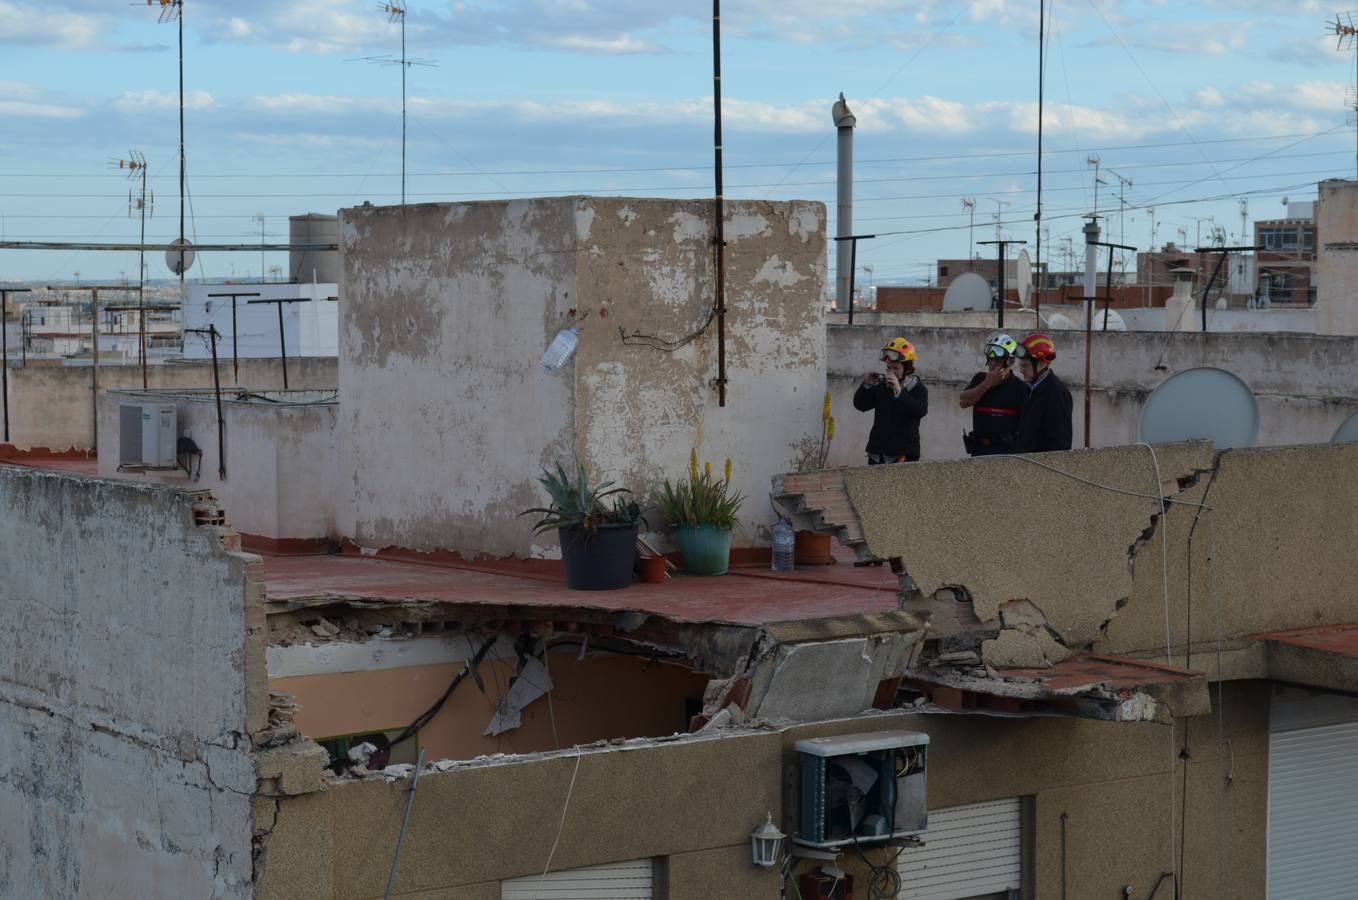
pixel 700 499
pixel 577 504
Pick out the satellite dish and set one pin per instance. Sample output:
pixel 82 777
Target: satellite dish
pixel 179 258
pixel 1115 321
pixel 1023 277
pixel 1060 322
pixel 1346 432
pixel 1201 404
pixel 968 291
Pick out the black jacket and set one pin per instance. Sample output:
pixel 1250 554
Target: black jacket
pixel 1045 419
pixel 895 420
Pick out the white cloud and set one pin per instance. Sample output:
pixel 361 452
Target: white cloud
pixel 19 98
pixel 35 25
pixel 138 101
pixel 1209 96
pixel 623 43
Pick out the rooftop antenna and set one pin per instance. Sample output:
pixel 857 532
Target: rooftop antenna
pixel 173 11
pixel 142 202
pixel 1345 34
pixel 258 219
pixel 1123 184
pixel 969 204
pixel 996 215
pixel 395 13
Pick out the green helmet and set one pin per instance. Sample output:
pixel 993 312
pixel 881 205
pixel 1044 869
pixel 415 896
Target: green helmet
pixel 1001 346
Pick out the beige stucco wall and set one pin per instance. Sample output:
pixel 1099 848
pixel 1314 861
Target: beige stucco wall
pixel 281 459
pixel 1272 550
pixel 1301 382
pixel 694 802
pixel 449 307
pixel 49 406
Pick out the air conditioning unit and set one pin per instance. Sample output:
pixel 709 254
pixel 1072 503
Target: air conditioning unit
pixel 146 436
pixel 861 789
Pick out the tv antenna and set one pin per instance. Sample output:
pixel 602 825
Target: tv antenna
pixel 258 219
pixel 173 11
pixel 1123 184
pixel 397 13
pixel 1346 38
pixel 996 215
pixel 142 201
pixel 969 204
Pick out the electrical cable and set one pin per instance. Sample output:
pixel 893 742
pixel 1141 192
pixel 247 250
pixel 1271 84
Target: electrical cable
pixel 1164 545
pixel 561 826
pixel 1101 486
pixel 427 716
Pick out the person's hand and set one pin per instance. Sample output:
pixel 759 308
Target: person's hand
pixel 893 383
pixel 872 378
pixel 994 377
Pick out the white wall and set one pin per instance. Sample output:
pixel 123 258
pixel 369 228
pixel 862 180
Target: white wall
pixel 311 326
pixel 447 418
pixel 281 462
pixel 125 758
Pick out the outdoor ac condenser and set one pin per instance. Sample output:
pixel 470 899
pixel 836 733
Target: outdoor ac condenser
pixel 861 788
pixel 147 433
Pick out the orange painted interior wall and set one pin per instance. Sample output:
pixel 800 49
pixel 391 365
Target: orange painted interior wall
pixel 600 697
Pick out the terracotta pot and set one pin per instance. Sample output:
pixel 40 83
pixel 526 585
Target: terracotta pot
pixel 653 569
pixel 811 548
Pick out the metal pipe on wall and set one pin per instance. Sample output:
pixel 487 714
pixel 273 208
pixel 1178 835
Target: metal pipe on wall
pixel 720 204
pixel 844 262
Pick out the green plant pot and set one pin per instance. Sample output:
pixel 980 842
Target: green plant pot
pixel 599 560
pixel 706 548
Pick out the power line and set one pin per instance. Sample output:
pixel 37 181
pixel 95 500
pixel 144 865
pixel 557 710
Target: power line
pixel 474 173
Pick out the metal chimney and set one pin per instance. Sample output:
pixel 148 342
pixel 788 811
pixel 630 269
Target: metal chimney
pixel 845 122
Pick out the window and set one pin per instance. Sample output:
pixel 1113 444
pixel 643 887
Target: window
pixel 970 852
pixel 942 271
pixel 1279 239
pixel 1308 239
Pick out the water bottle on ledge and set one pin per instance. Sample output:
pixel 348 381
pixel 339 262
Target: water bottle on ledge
pixel 783 541
pixel 560 349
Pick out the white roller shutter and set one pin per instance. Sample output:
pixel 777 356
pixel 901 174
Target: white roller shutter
pixel 1313 810
pixel 969 851
pixel 614 881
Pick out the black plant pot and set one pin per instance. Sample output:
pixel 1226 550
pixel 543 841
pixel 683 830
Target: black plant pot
pixel 599 560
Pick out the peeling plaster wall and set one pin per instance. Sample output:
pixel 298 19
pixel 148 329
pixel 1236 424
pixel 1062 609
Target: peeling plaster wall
pixel 49 406
pixel 281 461
pixel 125 766
pixel 449 307
pixel 1301 381
pixel 649 265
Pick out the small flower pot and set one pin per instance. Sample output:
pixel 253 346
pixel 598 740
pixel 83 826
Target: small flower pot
pixel 653 569
pixel 811 548
pixel 598 560
pixel 706 548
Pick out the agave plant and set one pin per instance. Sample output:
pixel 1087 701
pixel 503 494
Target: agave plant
pixel 577 504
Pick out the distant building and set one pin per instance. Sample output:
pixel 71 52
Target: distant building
pixel 1286 259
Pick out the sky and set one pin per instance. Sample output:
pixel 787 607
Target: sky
pixel 1190 108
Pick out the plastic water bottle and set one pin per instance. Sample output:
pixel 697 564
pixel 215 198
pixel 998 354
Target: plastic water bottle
pixel 783 541
pixel 560 349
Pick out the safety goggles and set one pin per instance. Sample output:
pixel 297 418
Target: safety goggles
pixel 892 356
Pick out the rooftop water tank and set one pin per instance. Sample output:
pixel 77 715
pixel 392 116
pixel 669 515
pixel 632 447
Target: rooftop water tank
pixel 314 265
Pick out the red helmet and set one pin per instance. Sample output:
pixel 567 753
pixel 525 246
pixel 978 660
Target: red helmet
pixel 1037 346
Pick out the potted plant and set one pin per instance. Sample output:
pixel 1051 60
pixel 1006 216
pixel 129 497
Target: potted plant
pixel 597 526
pixel 702 512
pixel 813 548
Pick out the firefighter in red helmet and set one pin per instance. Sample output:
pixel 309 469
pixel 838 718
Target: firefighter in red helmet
pixel 1046 414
